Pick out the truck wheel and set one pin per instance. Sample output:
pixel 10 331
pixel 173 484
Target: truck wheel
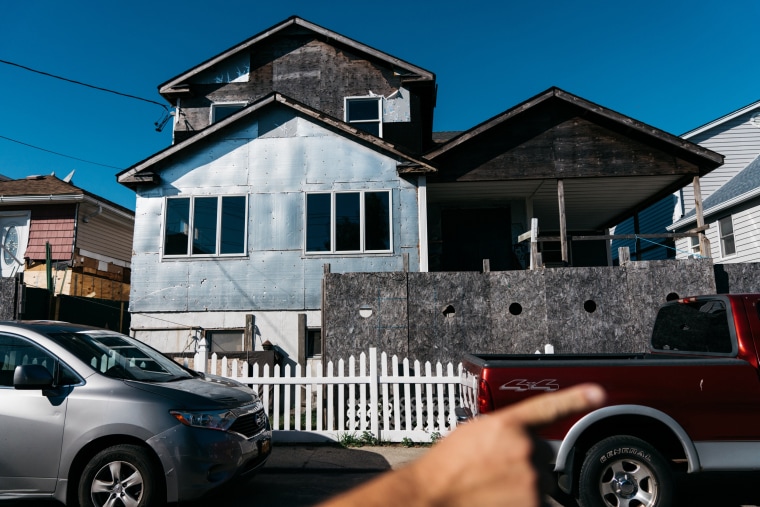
pixel 625 471
pixel 120 476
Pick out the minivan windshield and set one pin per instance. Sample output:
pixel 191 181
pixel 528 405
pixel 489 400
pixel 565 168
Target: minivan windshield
pixel 121 357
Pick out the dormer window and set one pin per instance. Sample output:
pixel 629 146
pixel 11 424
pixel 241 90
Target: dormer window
pixel 365 113
pixel 221 110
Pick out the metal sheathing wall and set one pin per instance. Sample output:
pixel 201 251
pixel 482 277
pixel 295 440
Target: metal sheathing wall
pixel 440 316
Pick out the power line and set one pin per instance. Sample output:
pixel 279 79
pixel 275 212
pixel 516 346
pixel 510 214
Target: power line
pixel 59 154
pixel 85 84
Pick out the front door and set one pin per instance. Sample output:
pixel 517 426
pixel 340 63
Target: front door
pixel 14 235
pixel 471 235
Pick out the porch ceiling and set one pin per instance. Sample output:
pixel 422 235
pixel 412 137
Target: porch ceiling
pixel 591 204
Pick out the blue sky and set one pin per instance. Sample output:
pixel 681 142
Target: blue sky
pixel 675 65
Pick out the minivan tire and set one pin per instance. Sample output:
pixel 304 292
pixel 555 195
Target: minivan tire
pixel 625 470
pixel 121 472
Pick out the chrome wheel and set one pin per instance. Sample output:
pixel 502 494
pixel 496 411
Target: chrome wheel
pixel 628 483
pixel 118 483
pixel 625 471
pixel 123 475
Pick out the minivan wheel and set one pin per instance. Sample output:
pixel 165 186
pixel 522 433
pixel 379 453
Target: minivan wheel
pixel 122 475
pixel 625 471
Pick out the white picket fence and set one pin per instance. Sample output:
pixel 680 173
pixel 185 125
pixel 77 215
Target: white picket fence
pixel 390 400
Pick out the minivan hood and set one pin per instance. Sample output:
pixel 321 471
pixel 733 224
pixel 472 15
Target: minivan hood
pixel 208 392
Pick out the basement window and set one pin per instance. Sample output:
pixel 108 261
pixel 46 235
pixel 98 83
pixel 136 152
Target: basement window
pixel 365 113
pixel 205 226
pixel 345 222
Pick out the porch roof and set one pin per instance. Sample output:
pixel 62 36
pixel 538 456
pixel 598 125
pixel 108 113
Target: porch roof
pixel 611 165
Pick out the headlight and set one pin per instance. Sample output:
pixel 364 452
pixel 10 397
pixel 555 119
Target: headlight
pixel 210 419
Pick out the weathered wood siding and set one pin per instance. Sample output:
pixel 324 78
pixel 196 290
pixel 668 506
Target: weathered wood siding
pixel 311 71
pixel 274 160
pixel 738 140
pixel 440 316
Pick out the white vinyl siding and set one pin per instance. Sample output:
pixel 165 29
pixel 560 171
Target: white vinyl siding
pixel 738 141
pixel 746 238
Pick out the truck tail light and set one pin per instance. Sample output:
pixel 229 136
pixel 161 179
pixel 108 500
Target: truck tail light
pixel 485 401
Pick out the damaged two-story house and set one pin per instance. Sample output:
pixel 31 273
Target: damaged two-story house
pixel 301 150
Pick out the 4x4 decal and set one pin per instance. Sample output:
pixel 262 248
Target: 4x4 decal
pixel 521 384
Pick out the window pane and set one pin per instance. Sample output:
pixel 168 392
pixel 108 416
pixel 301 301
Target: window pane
pixel 222 111
pixel 177 220
pixel 363 109
pixel 372 128
pixel 225 340
pixel 233 225
pixel 347 222
pixel 726 228
pixel 318 223
pixel 204 225
pixel 377 221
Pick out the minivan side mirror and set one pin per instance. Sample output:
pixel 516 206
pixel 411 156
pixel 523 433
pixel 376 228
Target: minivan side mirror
pixel 32 376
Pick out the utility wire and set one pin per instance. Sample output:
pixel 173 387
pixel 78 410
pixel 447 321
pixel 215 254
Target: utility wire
pixel 84 84
pixel 59 154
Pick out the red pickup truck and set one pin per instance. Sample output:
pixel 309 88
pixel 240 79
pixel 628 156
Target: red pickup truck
pixel 692 401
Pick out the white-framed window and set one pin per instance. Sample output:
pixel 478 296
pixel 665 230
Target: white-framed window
pixel 224 341
pixel 726 231
pixel 205 226
pixel 340 222
pixel 694 246
pixel 221 110
pixel 366 113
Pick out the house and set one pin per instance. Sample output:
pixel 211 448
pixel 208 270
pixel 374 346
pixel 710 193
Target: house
pixel 49 225
pixel 301 151
pixel 731 208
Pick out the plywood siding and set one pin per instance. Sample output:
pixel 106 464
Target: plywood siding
pixel 738 140
pixel 274 161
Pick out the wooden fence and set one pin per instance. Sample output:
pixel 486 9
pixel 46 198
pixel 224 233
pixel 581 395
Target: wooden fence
pixel 386 400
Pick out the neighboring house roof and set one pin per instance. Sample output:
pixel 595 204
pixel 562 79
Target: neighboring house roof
pixel 741 188
pixel 50 189
pixel 146 170
pixel 409 72
pixel 723 119
pixel 52 202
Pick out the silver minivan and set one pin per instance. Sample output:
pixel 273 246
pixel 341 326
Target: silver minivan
pixel 91 417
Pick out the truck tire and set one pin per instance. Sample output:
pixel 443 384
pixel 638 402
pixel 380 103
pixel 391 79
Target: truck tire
pixel 625 471
pixel 122 475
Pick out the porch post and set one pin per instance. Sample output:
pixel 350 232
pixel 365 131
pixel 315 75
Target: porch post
pixel 562 220
pixel 704 244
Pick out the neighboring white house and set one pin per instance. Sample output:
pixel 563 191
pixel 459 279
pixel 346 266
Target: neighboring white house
pixel 731 206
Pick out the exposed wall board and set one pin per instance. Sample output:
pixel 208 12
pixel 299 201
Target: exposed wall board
pixel 589 310
pixel 737 278
pixel 290 157
pixel 8 298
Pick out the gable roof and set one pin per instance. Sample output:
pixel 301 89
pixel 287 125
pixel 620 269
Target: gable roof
pixel 147 170
pixel 741 188
pixel 611 119
pixel 409 72
pixel 610 165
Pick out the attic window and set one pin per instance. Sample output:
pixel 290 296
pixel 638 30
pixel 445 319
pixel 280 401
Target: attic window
pixel 365 113
pixel 222 110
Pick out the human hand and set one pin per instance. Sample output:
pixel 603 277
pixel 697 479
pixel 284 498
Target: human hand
pixel 489 461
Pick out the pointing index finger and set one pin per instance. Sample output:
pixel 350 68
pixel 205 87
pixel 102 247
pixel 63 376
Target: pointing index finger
pixel 547 408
